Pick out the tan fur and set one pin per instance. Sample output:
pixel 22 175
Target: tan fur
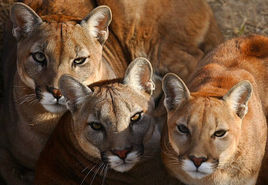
pixel 76 148
pixel 173 34
pixel 236 156
pixel 168 34
pixel 27 123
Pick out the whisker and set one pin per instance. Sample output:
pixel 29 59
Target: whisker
pixel 26 98
pixel 102 170
pixel 96 172
pixel 105 173
pixel 33 101
pixel 85 169
pixel 88 173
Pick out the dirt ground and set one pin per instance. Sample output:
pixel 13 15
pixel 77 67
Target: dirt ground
pixel 234 17
pixel 241 17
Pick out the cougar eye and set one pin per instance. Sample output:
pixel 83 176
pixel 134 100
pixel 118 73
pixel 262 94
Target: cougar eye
pixel 80 60
pixel 220 133
pixel 96 126
pixel 39 57
pixel 136 117
pixel 183 129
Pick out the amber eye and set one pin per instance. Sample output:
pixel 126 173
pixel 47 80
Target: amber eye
pixel 136 117
pixel 80 60
pixel 183 129
pixel 39 57
pixel 220 133
pixel 96 126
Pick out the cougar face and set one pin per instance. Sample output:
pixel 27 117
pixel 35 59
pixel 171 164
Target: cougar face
pixel 117 124
pixel 203 131
pixel 205 139
pixel 48 48
pixel 113 121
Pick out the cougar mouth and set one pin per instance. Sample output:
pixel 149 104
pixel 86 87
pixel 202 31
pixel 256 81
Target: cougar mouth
pixel 119 164
pixel 52 104
pixel 205 169
pixel 54 108
pixel 123 165
pixel 49 102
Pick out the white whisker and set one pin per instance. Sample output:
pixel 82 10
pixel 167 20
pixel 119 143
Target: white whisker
pixel 88 173
pixel 105 173
pixel 96 172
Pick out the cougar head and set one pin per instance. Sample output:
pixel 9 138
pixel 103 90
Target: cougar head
pixel 52 45
pixel 203 131
pixel 113 121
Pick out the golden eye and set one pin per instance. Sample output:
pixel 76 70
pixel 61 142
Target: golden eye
pixel 96 126
pixel 39 57
pixel 220 133
pixel 136 117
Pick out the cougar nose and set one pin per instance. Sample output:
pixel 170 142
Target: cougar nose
pixel 55 92
pixel 198 160
pixel 121 153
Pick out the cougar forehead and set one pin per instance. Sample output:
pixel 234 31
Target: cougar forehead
pixel 116 103
pixel 61 43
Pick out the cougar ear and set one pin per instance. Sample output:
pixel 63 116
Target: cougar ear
pixel 97 22
pixel 73 91
pixel 24 20
pixel 139 75
pixel 238 96
pixel 175 91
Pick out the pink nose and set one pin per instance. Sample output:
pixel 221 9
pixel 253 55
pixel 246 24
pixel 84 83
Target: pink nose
pixel 197 160
pixel 55 92
pixel 121 153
